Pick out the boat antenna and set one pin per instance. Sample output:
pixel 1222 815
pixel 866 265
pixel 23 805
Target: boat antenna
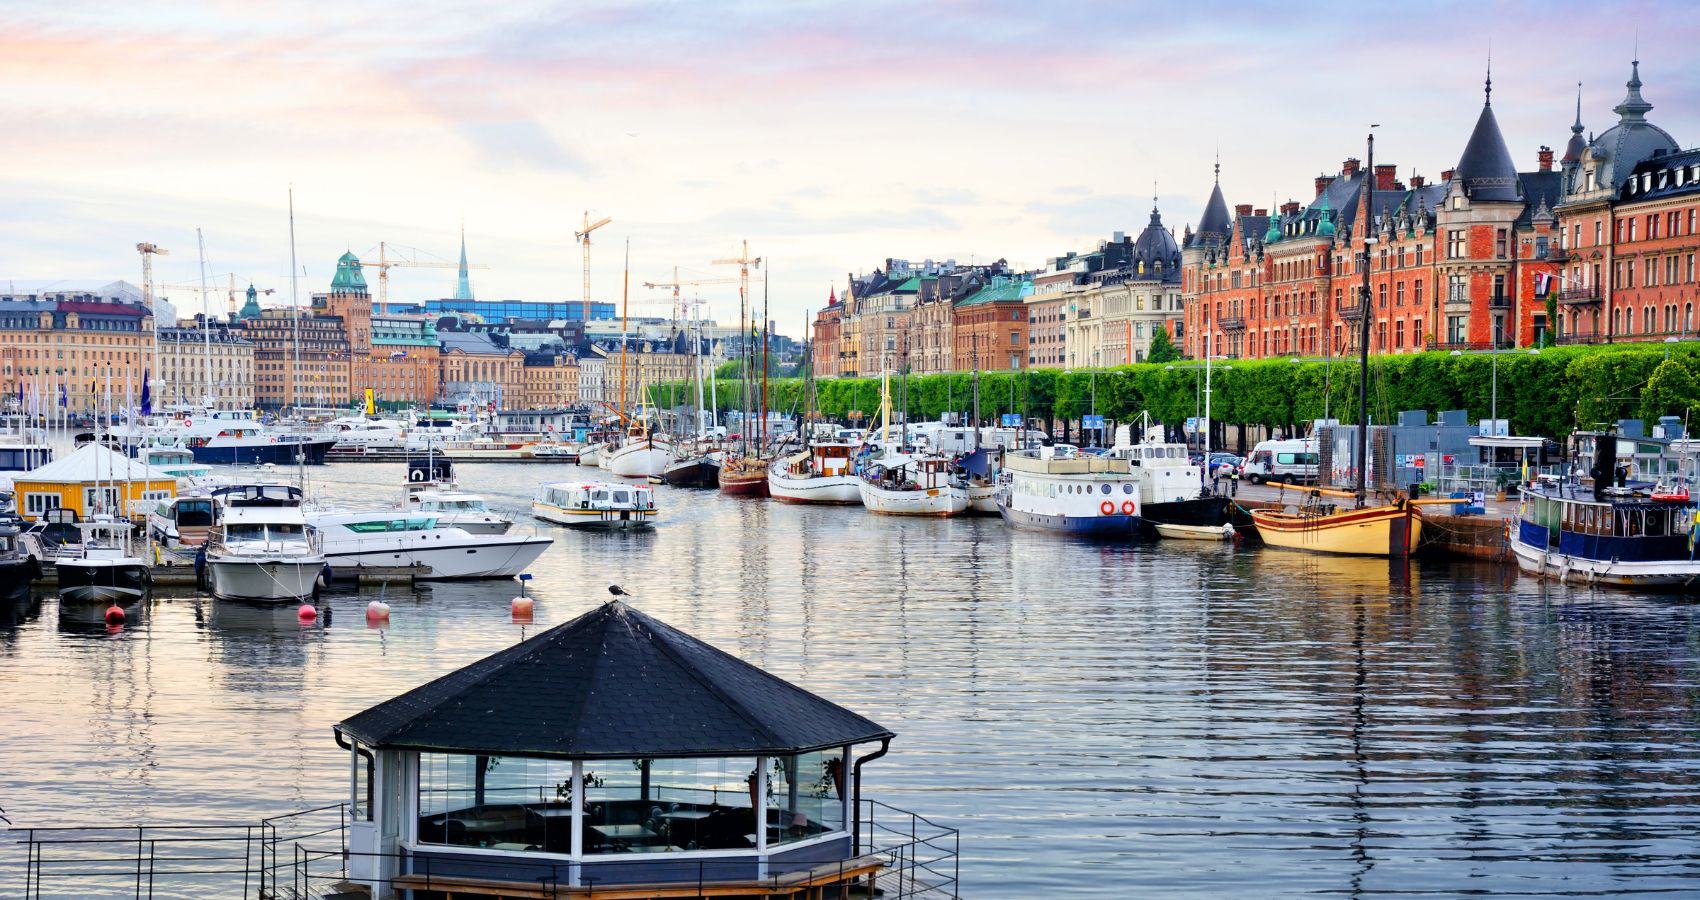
pixel 1363 326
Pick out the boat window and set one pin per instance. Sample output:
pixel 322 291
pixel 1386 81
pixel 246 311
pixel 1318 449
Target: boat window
pixel 622 497
pixel 1103 489
pixel 1658 521
pixel 245 532
pixel 599 496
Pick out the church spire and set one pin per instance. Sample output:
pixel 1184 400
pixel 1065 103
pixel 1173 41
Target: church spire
pixel 463 289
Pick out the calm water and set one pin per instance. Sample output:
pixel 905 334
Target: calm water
pixel 1100 721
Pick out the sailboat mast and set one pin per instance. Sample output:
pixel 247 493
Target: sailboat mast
pixel 625 298
pixel 1363 330
pixel 294 304
pixel 206 318
pixel 766 339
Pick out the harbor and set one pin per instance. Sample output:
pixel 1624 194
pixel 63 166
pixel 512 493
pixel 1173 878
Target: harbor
pixel 1327 692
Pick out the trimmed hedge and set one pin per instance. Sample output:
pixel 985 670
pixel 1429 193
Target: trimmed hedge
pixel 1550 393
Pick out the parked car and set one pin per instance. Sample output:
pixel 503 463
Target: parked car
pixel 1224 464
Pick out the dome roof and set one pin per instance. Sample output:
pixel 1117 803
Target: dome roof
pixel 1155 253
pixel 1632 139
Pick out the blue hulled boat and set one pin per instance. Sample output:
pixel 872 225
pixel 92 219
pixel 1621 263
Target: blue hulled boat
pixel 1058 488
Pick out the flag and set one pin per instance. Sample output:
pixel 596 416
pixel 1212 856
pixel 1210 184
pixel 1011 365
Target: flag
pixel 370 406
pixel 147 396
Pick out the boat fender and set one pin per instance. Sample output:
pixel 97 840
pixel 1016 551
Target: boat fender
pixel 1108 507
pixel 325 576
pixel 1127 508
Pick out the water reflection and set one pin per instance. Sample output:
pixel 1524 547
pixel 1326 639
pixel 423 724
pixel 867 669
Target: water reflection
pixel 1100 719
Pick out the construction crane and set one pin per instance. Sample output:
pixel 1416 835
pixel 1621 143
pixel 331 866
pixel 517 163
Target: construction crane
pixel 148 252
pixel 583 237
pixel 675 284
pixel 385 264
pixel 206 289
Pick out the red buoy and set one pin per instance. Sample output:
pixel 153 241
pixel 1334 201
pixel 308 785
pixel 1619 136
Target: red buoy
pixel 114 615
pixel 306 613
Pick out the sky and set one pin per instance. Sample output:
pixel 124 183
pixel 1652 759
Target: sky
pixel 830 136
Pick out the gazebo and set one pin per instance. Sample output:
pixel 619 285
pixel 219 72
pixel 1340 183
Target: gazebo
pixel 612 751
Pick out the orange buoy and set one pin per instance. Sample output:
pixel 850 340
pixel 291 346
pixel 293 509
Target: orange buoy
pixel 114 615
pixel 306 613
pixel 377 609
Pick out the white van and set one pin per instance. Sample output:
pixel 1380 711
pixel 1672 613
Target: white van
pixel 1286 461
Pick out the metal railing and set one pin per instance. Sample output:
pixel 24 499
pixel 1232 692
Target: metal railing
pixel 305 855
pixel 174 861
pixel 1589 294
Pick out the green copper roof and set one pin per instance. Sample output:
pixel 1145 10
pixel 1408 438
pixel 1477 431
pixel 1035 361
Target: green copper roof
pixel 1325 222
pixel 910 286
pixel 1000 290
pixel 251 309
pixel 1274 232
pixel 348 274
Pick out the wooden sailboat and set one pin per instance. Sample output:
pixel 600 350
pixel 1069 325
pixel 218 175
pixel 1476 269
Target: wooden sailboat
pixel 744 469
pixel 1320 526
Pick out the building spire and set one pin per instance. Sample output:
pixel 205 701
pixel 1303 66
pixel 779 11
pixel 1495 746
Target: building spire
pixel 1633 108
pixel 463 289
pixel 1487 92
pixel 1577 128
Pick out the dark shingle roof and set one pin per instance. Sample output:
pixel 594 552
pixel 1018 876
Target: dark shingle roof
pixel 1215 221
pixel 1486 168
pixel 612 683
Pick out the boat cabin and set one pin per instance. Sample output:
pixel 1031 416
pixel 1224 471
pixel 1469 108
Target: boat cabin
pixel 238 495
pixel 184 521
pixel 596 495
pixel 1635 522
pixel 822 460
pixel 616 753
pixel 429 471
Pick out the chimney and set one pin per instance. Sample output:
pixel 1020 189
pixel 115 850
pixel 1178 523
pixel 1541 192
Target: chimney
pixel 1261 212
pixel 1242 209
pixel 1546 158
pixel 1416 182
pixel 1446 175
pixel 1386 177
pixel 1349 167
pixel 1322 182
pixel 1290 207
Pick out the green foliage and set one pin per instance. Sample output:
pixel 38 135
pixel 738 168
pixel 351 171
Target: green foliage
pixel 1163 350
pixel 1549 393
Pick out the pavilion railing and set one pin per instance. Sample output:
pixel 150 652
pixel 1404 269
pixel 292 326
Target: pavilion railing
pixel 305 855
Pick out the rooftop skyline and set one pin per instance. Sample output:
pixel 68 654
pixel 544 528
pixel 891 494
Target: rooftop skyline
pixel 830 137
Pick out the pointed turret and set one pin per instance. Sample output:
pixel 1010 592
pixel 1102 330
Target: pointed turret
pixel 1325 218
pixel 1573 150
pixel 1486 170
pixel 463 288
pixel 250 309
pixel 1215 226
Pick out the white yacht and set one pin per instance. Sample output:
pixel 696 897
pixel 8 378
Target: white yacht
pixel 99 567
pixel 595 504
pixel 641 455
pixel 458 509
pixel 264 554
pixel 411 538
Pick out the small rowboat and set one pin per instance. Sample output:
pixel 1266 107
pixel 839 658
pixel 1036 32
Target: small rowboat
pixel 1197 532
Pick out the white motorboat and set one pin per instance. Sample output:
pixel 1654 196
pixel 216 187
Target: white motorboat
pixel 99 567
pixel 1058 488
pixel 226 436
pixel 591 453
pixel 1196 532
pixel 822 473
pixel 1171 489
pixel 642 455
pixel 458 509
pixel 184 521
pixel 410 538
pixel 905 485
pixel 264 553
pixel 595 504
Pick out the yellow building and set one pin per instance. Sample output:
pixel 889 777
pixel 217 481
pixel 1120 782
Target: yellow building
pixel 93 480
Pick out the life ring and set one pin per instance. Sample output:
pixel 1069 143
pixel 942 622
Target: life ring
pixel 1680 493
pixel 1127 508
pixel 416 475
pixel 1108 507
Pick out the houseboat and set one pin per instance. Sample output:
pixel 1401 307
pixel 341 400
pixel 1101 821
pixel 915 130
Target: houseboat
pixel 1058 488
pixel 1633 535
pixel 820 473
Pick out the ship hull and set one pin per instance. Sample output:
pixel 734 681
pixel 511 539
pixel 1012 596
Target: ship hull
pixel 1111 526
pixel 1391 531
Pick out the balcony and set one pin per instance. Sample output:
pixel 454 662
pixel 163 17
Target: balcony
pixel 1457 301
pixel 1351 312
pixel 1499 301
pixel 1232 323
pixel 1555 254
pixel 1471 346
pixel 1582 337
pixel 1580 296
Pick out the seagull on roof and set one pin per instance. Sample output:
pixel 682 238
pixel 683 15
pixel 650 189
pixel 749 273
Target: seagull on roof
pixel 616 590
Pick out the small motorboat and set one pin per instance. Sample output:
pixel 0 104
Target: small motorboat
pixel 595 504
pixel 1196 532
